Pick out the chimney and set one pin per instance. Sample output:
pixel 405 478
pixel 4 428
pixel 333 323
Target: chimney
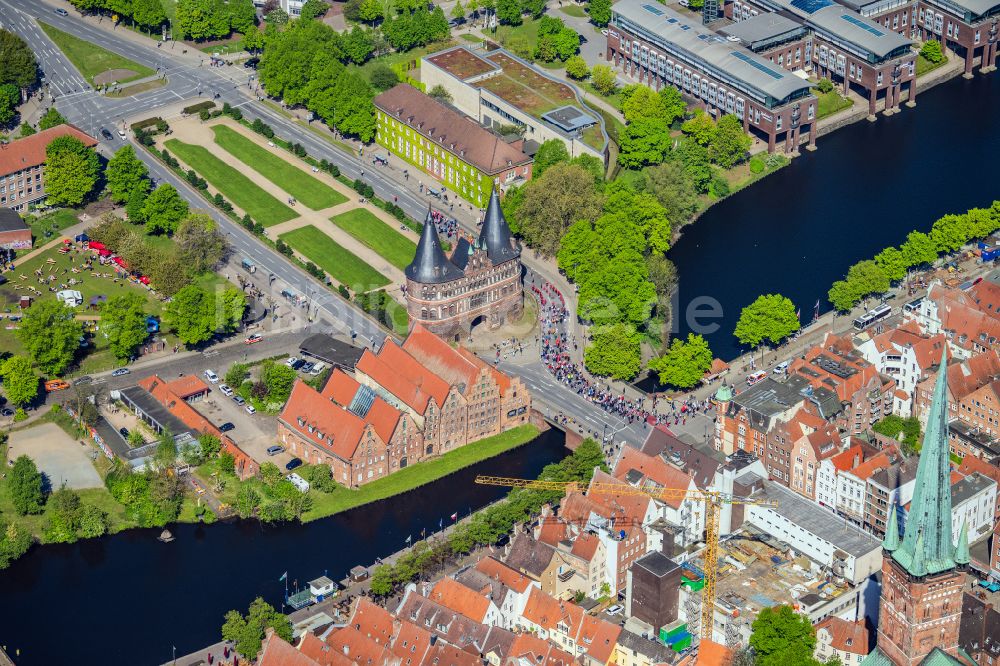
pixel 857 460
pixel 347 650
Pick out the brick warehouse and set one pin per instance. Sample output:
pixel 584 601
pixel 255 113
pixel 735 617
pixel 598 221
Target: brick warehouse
pixel 402 405
pixel 656 46
pixel 479 283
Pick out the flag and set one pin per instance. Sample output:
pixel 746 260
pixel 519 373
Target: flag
pixel 284 577
pixel 441 524
pixel 409 539
pixel 816 310
pixel 454 516
pixel 798 313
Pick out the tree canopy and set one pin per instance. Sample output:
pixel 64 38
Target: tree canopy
pixel 20 383
pixel 163 210
pixel 781 636
pixel 50 334
pixel 125 174
pixel 600 12
pixel 50 119
pixel 123 323
pixel 24 487
pixel 200 244
pixel 770 318
pixel 564 194
pixel 685 363
pixel 71 171
pixel 196 314
pixel 17 62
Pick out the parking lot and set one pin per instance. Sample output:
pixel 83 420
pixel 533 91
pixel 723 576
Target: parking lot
pixel 253 432
pixel 58 456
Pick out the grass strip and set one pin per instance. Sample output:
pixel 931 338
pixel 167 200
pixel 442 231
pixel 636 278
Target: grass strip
pixel 344 267
pixel 388 243
pixel 91 59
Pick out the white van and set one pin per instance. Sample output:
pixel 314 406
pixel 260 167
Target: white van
pixel 318 368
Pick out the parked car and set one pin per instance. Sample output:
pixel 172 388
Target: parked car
pixel 238 399
pixel 292 360
pixel 6 411
pixel 256 337
pixel 120 372
pixel 756 377
pixel 250 409
pixel 251 63
pixel 317 368
pixel 123 432
pixel 108 136
pixel 61 12
pixel 781 368
pixel 56 385
pixel 225 389
pixel 307 367
pixel 733 38
pixel 211 376
pixel 614 610
pixel 293 463
pixel 121 134
pixel 275 450
pixel 298 364
pixel 86 379
pixel 226 427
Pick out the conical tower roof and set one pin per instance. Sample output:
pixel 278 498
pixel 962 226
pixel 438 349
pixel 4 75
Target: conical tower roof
pixel 495 236
pixel 927 545
pixel 430 265
pixel 962 549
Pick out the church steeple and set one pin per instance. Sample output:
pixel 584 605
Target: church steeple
pixel 430 265
pixel 891 541
pixel 495 236
pixel 962 549
pixel 927 546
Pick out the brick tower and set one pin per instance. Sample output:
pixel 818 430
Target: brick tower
pixel 921 605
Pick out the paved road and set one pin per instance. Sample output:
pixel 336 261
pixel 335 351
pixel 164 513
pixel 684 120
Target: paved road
pixel 185 80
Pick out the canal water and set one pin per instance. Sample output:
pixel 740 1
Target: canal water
pixel 868 185
pixel 127 599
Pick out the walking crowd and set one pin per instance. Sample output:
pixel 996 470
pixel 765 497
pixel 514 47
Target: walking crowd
pixel 554 350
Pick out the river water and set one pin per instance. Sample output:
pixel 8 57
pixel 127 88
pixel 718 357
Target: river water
pixel 126 599
pixel 869 184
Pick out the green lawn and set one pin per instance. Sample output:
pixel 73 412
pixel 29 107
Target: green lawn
pixel 924 65
pixel 233 185
pixel 830 103
pixel 91 59
pixel 48 226
pixel 362 224
pixel 576 11
pixel 327 504
pixel 469 37
pixel 308 190
pixel 342 266
pixel 223 49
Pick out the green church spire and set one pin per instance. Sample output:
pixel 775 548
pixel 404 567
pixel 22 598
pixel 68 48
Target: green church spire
pixel 962 549
pixel 927 547
pixel 891 541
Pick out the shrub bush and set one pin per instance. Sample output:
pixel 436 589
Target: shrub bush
pixel 756 164
pixel 198 108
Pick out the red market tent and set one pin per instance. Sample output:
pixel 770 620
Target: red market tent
pixel 94 245
pixel 120 262
pixel 143 279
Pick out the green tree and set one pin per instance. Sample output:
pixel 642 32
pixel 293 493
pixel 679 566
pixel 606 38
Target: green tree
pixel 71 171
pixel 642 102
pixel 242 15
pixel 50 119
pixel 509 12
pixel 694 159
pixel 771 317
pixel 358 44
pixel 614 352
pixel 15 541
pixel 563 195
pixel 200 244
pixel 892 263
pixel 123 323
pixel 550 152
pixel 313 9
pixel 125 174
pixel 382 582
pixel 781 636
pixel 10 97
pixel 93 522
pixel 701 128
pixel 931 51
pixel 209 445
pixel 17 62
pixel 247 632
pixel 950 232
pixel 163 210
pixel 645 141
pixel 24 487
pixel 370 10
pixel 576 68
pixel 673 188
pixel 729 143
pixel 20 383
pixel 148 13
pixel 600 12
pixel 253 38
pixel 195 314
pixel 50 334
pixel 440 93
pixel 604 79
pixel 458 11
pixel 166 450
pixel 673 104
pixel 825 86
pixel 270 474
pixel 919 249
pixel 27 130
pixel 383 77
pixel 279 379
pixel 237 374
pixel 684 363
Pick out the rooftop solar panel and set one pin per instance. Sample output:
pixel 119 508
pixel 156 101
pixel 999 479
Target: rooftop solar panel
pixel 811 6
pixel 756 65
pixel 653 10
pixel 861 24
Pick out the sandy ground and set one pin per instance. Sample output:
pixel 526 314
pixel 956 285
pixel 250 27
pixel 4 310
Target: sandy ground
pixel 113 75
pixel 58 456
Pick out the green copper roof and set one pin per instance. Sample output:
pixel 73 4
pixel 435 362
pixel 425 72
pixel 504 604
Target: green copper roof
pixel 725 393
pixel 962 549
pixel 891 541
pixel 927 545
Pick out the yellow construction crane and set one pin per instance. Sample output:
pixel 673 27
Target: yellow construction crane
pixel 712 500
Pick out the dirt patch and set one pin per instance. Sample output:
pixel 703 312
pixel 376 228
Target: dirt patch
pixel 112 75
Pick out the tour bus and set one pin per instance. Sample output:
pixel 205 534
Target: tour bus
pixel 873 316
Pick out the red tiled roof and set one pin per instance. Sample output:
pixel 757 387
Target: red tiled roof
pixel 972 464
pixel 410 643
pixel 585 546
pixel 453 131
pixel 598 637
pixel 870 466
pixel 276 652
pixel 532 649
pixel 552 532
pixel 30 151
pixel 441 358
pixel 357 647
pixel 547 612
pixel 321 653
pixel 403 376
pixel 497 570
pixel 451 594
pixel 341 389
pixel 444 654
pixel 187 386
pixel 331 420
pixel 372 620
pixel 711 653
pixel 845 460
pixel 846 636
pixel 188 415
pixel 653 468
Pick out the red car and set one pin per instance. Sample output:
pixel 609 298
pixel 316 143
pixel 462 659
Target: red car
pixel 256 337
